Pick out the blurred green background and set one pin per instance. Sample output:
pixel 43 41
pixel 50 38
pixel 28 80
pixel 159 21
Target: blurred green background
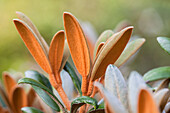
pixel 150 18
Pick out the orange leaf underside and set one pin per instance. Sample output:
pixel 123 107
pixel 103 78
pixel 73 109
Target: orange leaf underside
pixel 56 51
pixel 146 103
pixel 31 96
pixel 33 46
pixel 77 44
pixel 9 83
pixel 24 18
pixel 18 99
pixel 110 52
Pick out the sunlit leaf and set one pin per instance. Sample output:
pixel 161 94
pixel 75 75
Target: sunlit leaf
pixel 165 43
pixel 78 102
pixel 33 45
pixel 136 82
pixel 115 84
pixel 129 50
pixel 24 18
pixel 77 44
pixel 146 103
pixel 110 52
pixel 157 74
pixel 30 110
pixel 112 103
pixel 102 38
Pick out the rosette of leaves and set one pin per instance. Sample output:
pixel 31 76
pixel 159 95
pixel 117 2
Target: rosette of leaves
pixel 134 97
pixel 110 48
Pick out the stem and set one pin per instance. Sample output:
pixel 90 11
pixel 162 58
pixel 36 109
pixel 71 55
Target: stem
pixel 82 109
pixel 90 88
pixel 58 86
pixel 84 85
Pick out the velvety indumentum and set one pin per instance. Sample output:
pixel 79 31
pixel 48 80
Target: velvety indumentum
pixel 110 48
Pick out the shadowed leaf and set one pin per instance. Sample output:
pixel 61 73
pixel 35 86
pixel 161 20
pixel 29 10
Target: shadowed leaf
pixel 66 54
pixel 99 48
pixel 33 45
pixel 78 102
pixel 97 111
pixel 129 50
pixel 56 51
pixel 74 77
pixel 115 84
pixel 39 87
pixel 77 44
pixel 110 52
pixel 24 18
pixel 31 96
pixel 18 99
pixel 38 77
pixel 157 74
pixel 146 103
pixel 164 84
pixel 161 98
pixel 164 43
pixel 9 83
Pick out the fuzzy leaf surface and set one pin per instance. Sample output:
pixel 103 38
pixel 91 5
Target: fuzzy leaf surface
pixel 157 74
pixel 164 43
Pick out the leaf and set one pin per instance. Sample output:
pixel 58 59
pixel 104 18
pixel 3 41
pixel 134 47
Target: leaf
pixel 161 98
pixel 9 83
pixel 164 43
pixel 56 51
pixel 46 98
pixel 135 83
pixel 99 48
pixel 167 107
pixel 110 52
pixel 33 45
pixel 31 96
pixel 112 103
pixel 129 50
pixel 3 97
pixel 157 74
pixel 102 38
pixel 74 77
pixel 18 98
pixel 115 84
pixel 24 18
pixel 79 101
pixel 163 84
pixel 77 44
pixel 97 111
pixel 66 54
pixel 146 104
pixel 30 110
pixel 38 77
pixel 41 86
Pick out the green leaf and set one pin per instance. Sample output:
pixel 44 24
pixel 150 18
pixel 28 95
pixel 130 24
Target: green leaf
pixel 38 77
pixel 157 74
pixel 130 49
pixel 46 98
pixel 116 84
pixel 164 43
pixel 30 110
pixel 41 87
pixel 74 77
pixel 78 102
